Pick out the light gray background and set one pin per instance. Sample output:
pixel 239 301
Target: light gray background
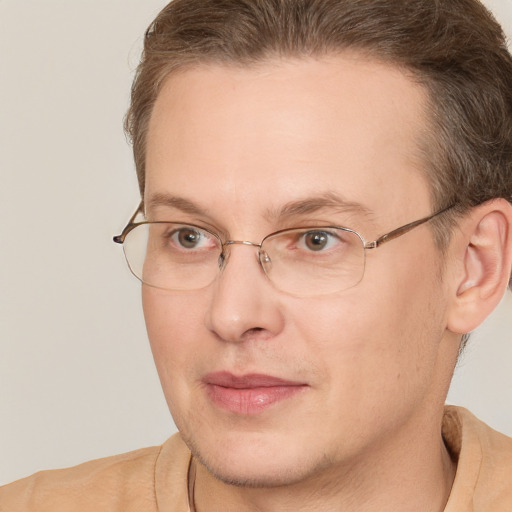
pixel 76 373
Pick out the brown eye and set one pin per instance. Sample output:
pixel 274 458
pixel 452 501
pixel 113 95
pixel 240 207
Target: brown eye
pixel 189 238
pixel 316 240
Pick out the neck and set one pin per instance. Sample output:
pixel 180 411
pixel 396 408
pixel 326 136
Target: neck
pixel 401 474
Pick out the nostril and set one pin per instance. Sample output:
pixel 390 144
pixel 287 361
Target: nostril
pixel 255 333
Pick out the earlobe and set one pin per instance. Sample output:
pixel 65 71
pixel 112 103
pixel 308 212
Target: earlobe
pixel 485 259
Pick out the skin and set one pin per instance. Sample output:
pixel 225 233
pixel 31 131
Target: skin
pixel 376 360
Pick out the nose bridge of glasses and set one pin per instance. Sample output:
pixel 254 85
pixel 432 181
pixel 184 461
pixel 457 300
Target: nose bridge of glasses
pixel 241 242
pixel 224 256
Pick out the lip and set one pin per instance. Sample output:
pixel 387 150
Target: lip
pixel 249 394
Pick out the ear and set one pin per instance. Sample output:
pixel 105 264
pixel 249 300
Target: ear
pixel 483 260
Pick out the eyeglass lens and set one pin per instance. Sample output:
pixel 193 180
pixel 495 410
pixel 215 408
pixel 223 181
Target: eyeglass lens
pixel 302 262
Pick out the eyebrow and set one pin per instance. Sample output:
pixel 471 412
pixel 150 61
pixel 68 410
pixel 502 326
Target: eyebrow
pixel 309 205
pixel 296 208
pixel 179 203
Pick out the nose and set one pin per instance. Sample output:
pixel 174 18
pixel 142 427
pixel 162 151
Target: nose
pixel 244 304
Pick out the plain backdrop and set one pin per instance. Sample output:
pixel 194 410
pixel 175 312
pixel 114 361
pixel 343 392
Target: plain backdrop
pixel 76 374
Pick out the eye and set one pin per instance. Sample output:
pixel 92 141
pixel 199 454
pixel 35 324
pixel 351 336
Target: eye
pixel 188 237
pixel 318 240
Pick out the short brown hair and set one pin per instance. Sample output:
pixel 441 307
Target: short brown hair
pixel 454 48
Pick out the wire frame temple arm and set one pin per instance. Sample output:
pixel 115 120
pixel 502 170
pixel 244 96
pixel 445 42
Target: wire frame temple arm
pixel 404 229
pixel 119 239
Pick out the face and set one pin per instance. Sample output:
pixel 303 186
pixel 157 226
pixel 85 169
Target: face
pixel 265 387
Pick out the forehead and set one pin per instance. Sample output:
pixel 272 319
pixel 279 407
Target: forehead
pixel 342 124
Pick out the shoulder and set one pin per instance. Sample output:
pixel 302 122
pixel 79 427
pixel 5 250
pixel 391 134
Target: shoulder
pixel 123 482
pixel 464 432
pixel 484 470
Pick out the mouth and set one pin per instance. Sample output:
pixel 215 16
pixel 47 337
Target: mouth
pixel 249 394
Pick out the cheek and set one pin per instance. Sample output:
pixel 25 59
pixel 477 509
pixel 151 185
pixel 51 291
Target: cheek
pixel 173 322
pixel 373 340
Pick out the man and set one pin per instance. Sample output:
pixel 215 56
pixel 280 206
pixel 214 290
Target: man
pixel 326 213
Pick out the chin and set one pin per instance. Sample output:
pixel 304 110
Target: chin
pixel 263 475
pixel 256 460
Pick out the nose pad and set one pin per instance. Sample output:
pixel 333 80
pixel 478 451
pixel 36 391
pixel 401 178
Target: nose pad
pixel 222 260
pixel 265 261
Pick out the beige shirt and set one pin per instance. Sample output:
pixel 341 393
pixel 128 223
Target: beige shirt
pixel 155 479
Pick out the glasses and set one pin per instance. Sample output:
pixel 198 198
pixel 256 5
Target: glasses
pixel 299 261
